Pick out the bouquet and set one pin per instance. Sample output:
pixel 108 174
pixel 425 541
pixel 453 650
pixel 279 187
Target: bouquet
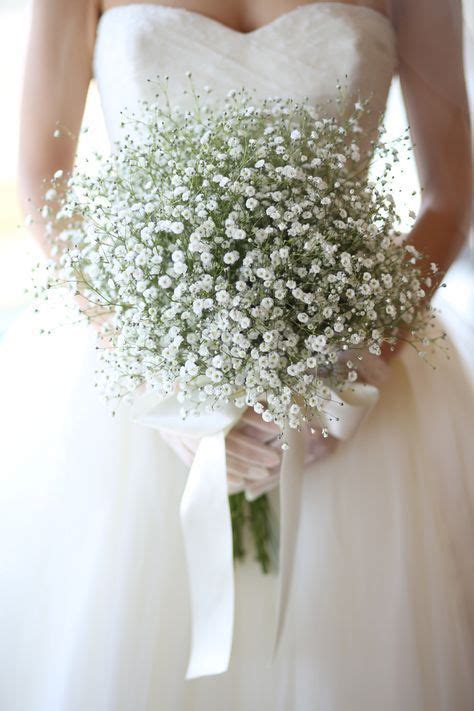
pixel 232 252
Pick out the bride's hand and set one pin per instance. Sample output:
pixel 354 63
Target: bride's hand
pixel 250 455
pixel 317 447
pixel 253 446
pixel 253 450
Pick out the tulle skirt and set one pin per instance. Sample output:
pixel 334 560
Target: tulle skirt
pixel 94 607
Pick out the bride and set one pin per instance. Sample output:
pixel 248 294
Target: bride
pixel 95 611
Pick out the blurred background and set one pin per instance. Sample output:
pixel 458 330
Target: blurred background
pixel 18 253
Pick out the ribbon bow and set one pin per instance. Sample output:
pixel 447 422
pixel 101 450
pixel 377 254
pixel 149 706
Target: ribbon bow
pixel 205 514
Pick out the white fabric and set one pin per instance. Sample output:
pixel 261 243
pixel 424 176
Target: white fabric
pixel 207 531
pixel 94 604
pixel 206 525
pixel 205 513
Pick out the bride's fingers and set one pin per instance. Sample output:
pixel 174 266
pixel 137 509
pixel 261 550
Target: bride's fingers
pixel 253 491
pixel 270 438
pixel 237 467
pixel 251 451
pixel 235 484
pixel 254 432
pixel 191 443
pixel 317 447
pixel 267 430
pixel 249 466
pixel 242 469
pixel 234 479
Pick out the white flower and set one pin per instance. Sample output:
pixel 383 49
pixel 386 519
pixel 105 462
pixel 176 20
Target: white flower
pixel 237 233
pixel 198 306
pixel 272 212
pixel 375 349
pixel 222 297
pixel 231 257
pixel 289 171
pixel 51 194
pixel 319 264
pixel 164 281
pixel 180 268
pixel 317 343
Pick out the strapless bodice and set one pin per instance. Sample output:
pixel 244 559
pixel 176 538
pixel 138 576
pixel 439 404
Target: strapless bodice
pixel 303 53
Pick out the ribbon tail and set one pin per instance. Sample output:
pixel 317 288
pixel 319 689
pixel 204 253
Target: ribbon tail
pixel 344 412
pixel 207 531
pixel 291 475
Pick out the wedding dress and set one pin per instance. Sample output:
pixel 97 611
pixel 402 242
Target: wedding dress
pixel 94 600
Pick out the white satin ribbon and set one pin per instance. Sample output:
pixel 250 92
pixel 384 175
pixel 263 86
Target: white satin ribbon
pixel 345 411
pixel 207 530
pixel 205 514
pixel 206 526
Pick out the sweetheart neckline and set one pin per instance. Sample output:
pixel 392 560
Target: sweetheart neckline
pixel 237 33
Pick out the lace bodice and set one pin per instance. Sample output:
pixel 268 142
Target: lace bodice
pixel 303 53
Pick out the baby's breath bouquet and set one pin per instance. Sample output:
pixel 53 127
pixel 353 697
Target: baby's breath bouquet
pixel 237 249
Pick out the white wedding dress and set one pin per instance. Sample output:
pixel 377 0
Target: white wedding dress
pixel 94 600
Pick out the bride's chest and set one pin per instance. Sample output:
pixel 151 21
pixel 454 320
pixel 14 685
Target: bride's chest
pixel 303 54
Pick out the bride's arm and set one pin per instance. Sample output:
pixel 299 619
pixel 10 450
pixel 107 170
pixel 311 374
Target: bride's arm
pixel 430 48
pixel 57 75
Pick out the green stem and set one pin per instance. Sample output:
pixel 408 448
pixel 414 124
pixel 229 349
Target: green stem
pixel 237 504
pixel 257 514
pixel 259 519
